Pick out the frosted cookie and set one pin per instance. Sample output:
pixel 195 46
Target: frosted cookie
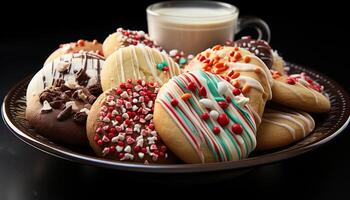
pixel 137 62
pixel 263 50
pixel 300 92
pixel 120 124
pixel 201 119
pixel 246 72
pixel 74 47
pixel 283 127
pixel 123 38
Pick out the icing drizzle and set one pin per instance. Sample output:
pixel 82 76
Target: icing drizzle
pixel 188 114
pixel 299 118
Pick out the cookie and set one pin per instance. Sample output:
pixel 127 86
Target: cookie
pixel 120 125
pixel 60 95
pixel 245 71
pixel 123 38
pixel 262 50
pixel 137 62
pixel 283 127
pixel 74 47
pixel 202 120
pixel 300 92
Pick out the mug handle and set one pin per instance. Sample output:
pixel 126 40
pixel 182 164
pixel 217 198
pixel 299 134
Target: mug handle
pixel 258 24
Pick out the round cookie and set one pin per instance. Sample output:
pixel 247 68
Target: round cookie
pixel 137 62
pixel 81 68
pixel 123 38
pixel 73 47
pixel 262 50
pixel 245 71
pixel 120 125
pixel 283 127
pixel 201 120
pixel 60 95
pixel 300 92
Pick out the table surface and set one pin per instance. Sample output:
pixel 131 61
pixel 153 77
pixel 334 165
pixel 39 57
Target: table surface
pixel 26 173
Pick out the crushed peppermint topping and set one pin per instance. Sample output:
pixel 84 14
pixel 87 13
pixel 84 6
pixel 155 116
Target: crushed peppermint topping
pixel 125 128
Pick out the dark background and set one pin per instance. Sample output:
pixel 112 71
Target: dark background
pixel 314 35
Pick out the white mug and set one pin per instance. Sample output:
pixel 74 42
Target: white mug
pixel 193 26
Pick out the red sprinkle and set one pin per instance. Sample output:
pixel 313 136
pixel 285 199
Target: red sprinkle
pixel 202 92
pixel 174 102
pixel 290 81
pixel 205 116
pixel 216 130
pixel 236 91
pixel 223 119
pixel 223 104
pixel 191 86
pixel 120 143
pixel 100 142
pixel 237 128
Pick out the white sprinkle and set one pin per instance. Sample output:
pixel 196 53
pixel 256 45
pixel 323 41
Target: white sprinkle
pixel 141 155
pixel 115 139
pixel 105 151
pixel 142 121
pixel 173 52
pixel 125 115
pixel 222 87
pixel 114 122
pixel 46 106
pixel 139 142
pixel 114 113
pixel 134 101
pixel 119 148
pixel 85 110
pixel 207 103
pixel 62 66
pixel 148 117
pixel 154 133
pixel 150 104
pixel 127 149
pixel 111 103
pixel 137 128
pixel 241 100
pixel 127 156
pixel 124 95
pixel 134 108
pixel 73 104
pixel 106 119
pixel 214 114
pixel 105 139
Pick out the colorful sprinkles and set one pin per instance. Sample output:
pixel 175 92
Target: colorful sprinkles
pixel 125 129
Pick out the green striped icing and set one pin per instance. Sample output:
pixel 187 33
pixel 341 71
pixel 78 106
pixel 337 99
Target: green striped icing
pixel 228 145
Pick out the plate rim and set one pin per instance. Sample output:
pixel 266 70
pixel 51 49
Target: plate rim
pixel 68 154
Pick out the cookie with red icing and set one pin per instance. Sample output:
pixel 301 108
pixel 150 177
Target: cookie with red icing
pixel 74 47
pixel 120 125
pixel 203 118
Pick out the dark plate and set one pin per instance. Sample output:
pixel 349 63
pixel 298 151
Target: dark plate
pixel 327 127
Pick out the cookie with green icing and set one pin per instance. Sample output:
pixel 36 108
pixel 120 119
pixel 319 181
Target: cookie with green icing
pixel 202 118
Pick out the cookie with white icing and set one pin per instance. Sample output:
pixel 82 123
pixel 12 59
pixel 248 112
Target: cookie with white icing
pixel 123 38
pixel 245 71
pixel 120 124
pixel 283 127
pixel 137 62
pixel 74 47
pixel 202 119
pixel 300 92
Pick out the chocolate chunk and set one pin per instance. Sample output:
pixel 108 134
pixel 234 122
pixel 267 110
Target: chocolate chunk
pixel 95 89
pixel 57 104
pixel 46 96
pixel 65 97
pixel 64 88
pixel 68 93
pixel 88 106
pixel 80 118
pixel 81 77
pixel 65 114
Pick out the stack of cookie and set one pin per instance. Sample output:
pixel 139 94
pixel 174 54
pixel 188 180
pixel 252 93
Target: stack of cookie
pixel 131 101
